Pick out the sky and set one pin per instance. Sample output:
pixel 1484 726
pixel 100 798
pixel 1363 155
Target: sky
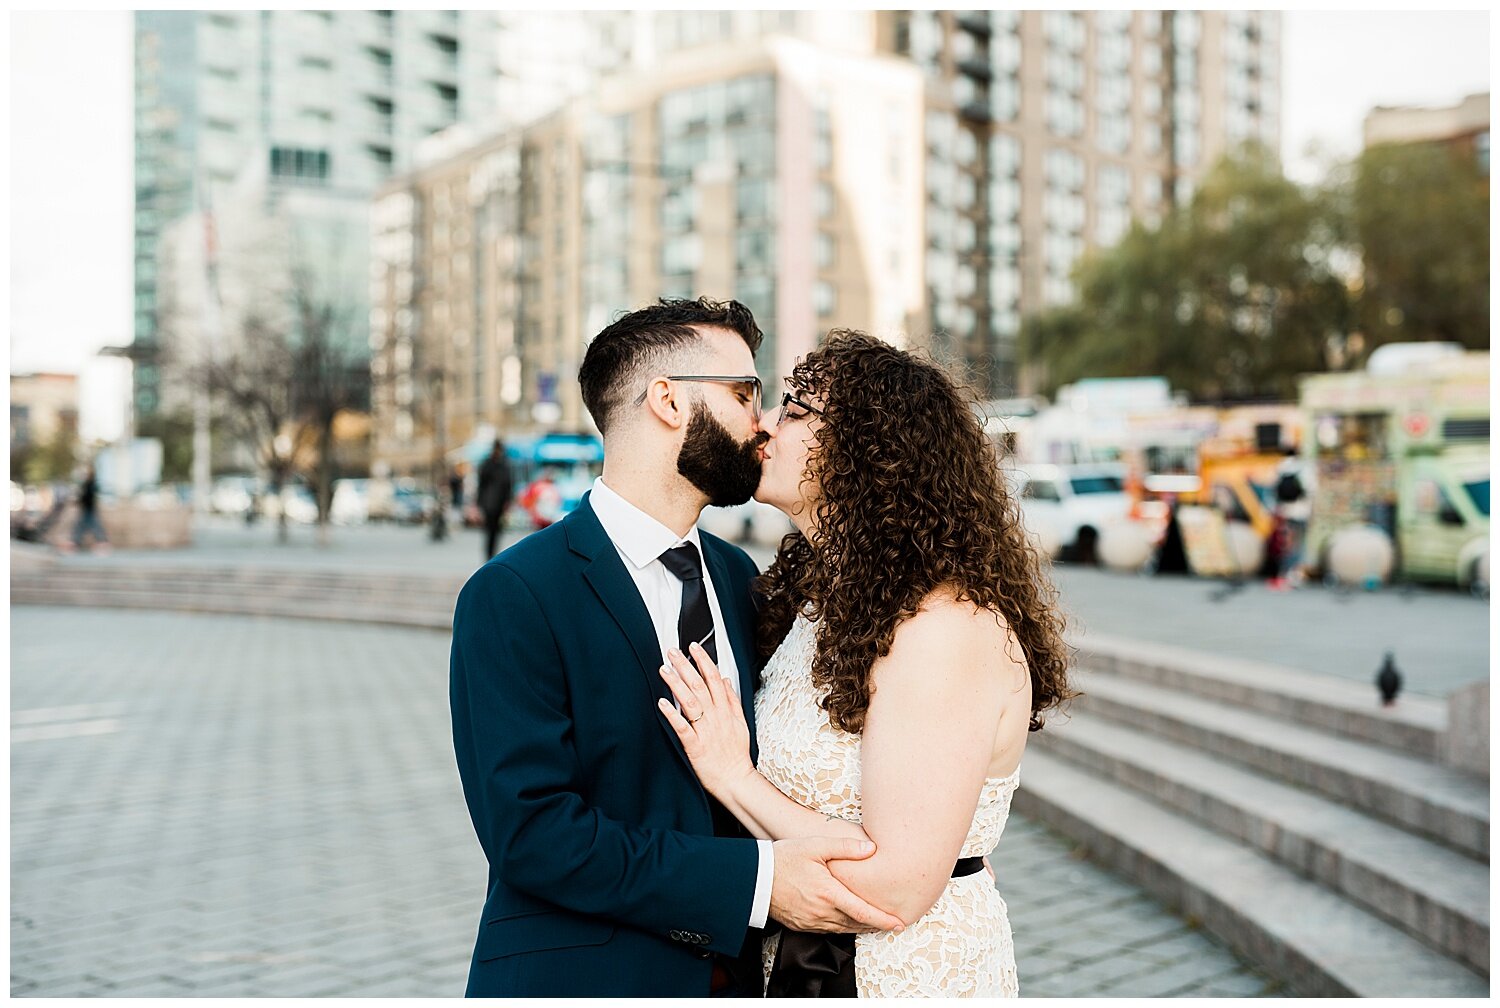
pixel 70 159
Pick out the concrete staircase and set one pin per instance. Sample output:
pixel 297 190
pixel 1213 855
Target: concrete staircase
pixel 1308 827
pixel 417 600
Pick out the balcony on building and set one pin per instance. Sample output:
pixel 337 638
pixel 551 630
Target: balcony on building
pixel 976 22
pixel 977 111
pixel 977 67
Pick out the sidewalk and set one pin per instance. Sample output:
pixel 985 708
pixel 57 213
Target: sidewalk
pixel 209 805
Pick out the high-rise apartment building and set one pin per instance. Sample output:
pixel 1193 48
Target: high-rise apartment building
pixel 1048 131
pixel 1464 127
pixel 318 106
pixel 772 156
pixel 774 171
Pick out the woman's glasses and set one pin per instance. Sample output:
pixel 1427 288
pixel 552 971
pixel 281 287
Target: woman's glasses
pixel 787 399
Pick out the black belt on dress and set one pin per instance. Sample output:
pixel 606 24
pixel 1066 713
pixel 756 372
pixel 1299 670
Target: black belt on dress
pixel 818 964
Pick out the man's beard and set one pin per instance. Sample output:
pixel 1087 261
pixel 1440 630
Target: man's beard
pixel 725 470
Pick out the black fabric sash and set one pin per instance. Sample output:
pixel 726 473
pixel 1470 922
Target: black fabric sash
pixel 811 964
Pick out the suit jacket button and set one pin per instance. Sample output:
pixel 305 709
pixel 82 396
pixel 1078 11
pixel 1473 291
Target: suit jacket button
pixel 675 935
pixel 704 939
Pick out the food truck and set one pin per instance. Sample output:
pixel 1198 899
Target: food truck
pixel 1404 446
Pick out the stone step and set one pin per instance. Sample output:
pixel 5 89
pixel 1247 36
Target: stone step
pixel 339 610
pixel 1429 798
pixel 1435 894
pixel 287 584
pixel 1319 943
pixel 246 576
pixel 1414 725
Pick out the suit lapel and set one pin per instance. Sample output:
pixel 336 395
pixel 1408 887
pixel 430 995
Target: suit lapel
pixel 729 595
pixel 607 576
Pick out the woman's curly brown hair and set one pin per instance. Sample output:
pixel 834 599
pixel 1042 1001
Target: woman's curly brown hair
pixel 911 500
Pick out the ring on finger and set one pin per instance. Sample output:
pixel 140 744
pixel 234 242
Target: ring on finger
pixel 695 720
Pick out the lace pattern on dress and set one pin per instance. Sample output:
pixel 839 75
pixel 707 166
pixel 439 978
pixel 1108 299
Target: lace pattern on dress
pixel 962 947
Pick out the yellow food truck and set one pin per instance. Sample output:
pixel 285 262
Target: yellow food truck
pixel 1404 446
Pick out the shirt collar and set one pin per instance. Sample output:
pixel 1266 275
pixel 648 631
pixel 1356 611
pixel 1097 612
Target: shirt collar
pixel 641 538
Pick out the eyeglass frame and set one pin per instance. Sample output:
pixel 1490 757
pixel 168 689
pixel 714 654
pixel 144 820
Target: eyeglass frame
pixel 752 380
pixel 786 400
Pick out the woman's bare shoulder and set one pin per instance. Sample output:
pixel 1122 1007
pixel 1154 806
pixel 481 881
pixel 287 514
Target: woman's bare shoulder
pixel 952 628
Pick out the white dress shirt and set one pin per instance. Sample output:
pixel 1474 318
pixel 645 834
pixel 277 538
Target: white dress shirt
pixel 641 540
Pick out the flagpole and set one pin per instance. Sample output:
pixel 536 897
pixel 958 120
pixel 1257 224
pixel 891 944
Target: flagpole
pixel 202 442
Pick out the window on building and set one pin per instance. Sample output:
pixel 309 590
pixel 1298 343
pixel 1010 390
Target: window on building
pixel 823 200
pixel 824 250
pixel 752 200
pixel 752 251
pixel 448 95
pixel 824 300
pixel 299 164
pixel 316 63
pixel 680 255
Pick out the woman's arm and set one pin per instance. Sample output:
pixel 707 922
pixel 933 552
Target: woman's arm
pixel 935 710
pixel 718 745
pixel 938 703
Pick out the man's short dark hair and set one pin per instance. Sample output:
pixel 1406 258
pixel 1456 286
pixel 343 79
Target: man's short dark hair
pixel 613 364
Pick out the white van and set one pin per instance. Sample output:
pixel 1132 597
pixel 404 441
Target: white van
pixel 1074 500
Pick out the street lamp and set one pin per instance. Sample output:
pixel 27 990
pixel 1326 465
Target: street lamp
pixel 439 529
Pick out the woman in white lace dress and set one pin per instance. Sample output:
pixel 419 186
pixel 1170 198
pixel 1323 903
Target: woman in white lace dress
pixel 914 642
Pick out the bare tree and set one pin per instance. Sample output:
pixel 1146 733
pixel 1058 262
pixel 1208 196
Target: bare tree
pixel 283 385
pixel 331 375
pixel 254 384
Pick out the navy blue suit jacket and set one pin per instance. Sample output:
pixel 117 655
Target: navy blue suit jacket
pixel 605 878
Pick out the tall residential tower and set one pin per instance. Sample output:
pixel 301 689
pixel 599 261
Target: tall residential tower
pixel 318 107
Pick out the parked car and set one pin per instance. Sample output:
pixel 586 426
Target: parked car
pixel 297 500
pixel 1076 501
pixel 351 502
pixel 233 494
pixel 411 502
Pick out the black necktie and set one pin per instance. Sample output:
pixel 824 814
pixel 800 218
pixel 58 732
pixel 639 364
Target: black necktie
pixel 695 623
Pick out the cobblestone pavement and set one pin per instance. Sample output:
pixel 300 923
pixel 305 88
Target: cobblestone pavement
pixel 226 805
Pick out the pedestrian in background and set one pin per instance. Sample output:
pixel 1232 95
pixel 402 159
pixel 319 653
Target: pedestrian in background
pixel 88 514
pixel 542 499
pixel 494 495
pixel 1293 509
pixel 456 492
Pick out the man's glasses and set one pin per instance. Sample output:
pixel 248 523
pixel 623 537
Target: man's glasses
pixel 787 399
pixel 750 380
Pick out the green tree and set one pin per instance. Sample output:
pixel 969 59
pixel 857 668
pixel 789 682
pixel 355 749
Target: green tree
pixel 175 431
pixel 1231 296
pixel 1419 216
pixel 53 459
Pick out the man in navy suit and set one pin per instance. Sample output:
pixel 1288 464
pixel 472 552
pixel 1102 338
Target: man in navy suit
pixel 612 872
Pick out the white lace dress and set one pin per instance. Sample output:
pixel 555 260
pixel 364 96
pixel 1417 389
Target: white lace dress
pixel 962 946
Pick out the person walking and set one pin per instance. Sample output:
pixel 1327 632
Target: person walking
pixel 88 514
pixel 494 495
pixel 1293 509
